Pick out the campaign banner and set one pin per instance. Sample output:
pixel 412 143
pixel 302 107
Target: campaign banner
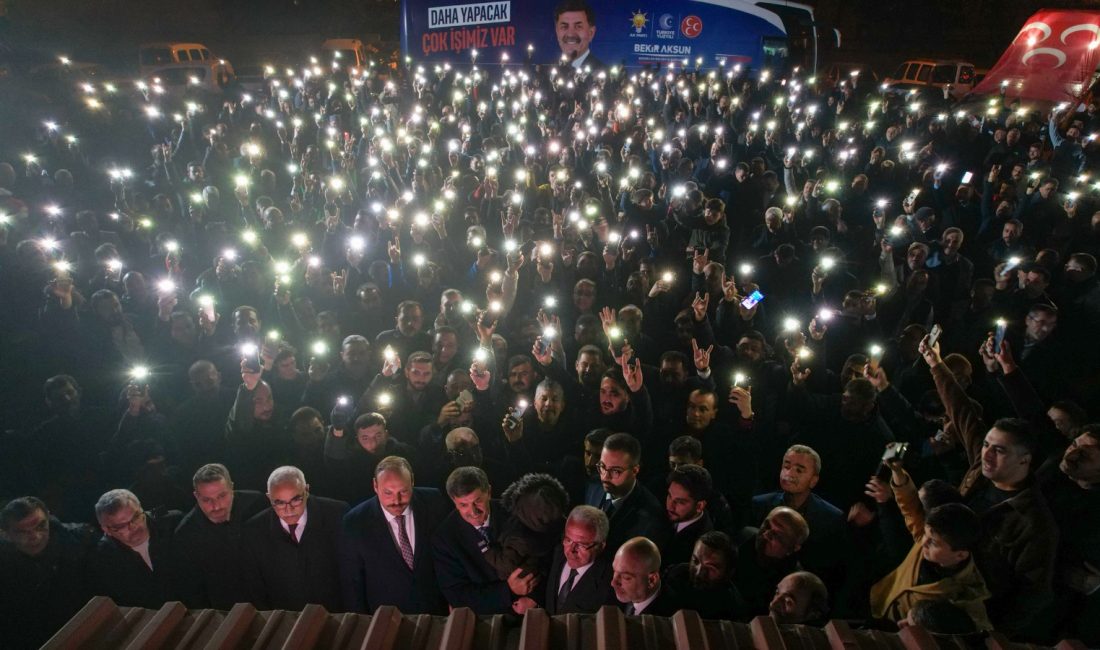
pixel 614 32
pixel 1052 58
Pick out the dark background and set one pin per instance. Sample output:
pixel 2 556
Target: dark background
pixel 250 32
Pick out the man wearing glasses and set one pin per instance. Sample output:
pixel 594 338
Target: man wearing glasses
pixel 132 563
pixel 632 510
pixel 293 547
pixel 580 575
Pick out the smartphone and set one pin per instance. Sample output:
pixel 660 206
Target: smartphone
pixel 874 357
pixel 252 360
pixel 752 300
pixel 895 451
pixel 464 398
pixel 967 177
pixel 999 335
pixel 934 335
pixel 341 413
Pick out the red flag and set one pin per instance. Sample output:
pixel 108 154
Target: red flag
pixel 1053 57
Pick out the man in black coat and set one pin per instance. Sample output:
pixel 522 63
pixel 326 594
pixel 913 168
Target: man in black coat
pixel 689 486
pixel 632 509
pixel 132 564
pixel 43 563
pixel 465 576
pixel 768 555
pixel 351 464
pixel 387 556
pixel 705 584
pixel 210 551
pixel 294 546
pixel 637 580
pixel 580 575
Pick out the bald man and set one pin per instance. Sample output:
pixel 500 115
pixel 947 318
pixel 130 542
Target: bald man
pixel 637 580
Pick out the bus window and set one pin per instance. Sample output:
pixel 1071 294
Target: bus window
pixel 775 53
pixel 899 73
pixel 923 73
pixel 801 37
pixel 156 56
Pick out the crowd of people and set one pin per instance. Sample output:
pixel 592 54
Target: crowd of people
pixel 501 337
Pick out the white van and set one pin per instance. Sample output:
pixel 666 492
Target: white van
pixel 958 76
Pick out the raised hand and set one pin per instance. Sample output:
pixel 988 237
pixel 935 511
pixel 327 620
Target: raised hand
pixel 701 355
pixel 700 305
pixel 480 375
pixel 632 373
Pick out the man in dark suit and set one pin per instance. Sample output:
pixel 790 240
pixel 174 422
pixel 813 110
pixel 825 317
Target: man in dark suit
pixel 387 558
pixel 689 486
pixel 210 553
pixel 632 509
pixel 294 546
pixel 133 562
pixel 44 564
pixel 580 575
pixel 637 580
pixel 825 551
pixel 575 26
pixel 465 576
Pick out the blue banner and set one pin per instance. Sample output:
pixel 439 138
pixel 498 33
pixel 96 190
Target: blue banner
pixel 612 32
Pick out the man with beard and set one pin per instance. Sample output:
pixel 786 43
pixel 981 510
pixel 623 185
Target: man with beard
pixel 631 508
pixel 768 555
pixel 676 385
pixel 800 599
pixel 43 562
pixel 352 462
pixel 407 336
pixel 413 400
pixel 846 430
pixel 1073 492
pixel 689 487
pixel 210 541
pixel 705 581
pixel 350 379
pixel 1019 535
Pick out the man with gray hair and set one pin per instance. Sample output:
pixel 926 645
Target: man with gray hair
pixel 132 564
pixel 580 575
pixel 825 552
pixel 293 547
pixel 210 541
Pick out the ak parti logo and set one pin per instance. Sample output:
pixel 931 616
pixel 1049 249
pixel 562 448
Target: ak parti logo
pixel 691 26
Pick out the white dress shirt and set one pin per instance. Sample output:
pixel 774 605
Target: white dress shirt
pixel 639 608
pixel 565 575
pixel 410 527
pixel 684 524
pixel 301 526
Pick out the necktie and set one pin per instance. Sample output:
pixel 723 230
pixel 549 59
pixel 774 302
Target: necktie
pixel 293 537
pixel 566 588
pixel 483 534
pixel 403 541
pixel 630 609
pixel 607 505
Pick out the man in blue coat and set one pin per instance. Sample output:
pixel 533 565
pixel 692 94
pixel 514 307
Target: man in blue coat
pixel 387 555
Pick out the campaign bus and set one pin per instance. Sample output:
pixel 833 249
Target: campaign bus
pixel 630 33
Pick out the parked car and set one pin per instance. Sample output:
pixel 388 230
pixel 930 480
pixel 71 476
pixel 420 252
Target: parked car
pixel 958 77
